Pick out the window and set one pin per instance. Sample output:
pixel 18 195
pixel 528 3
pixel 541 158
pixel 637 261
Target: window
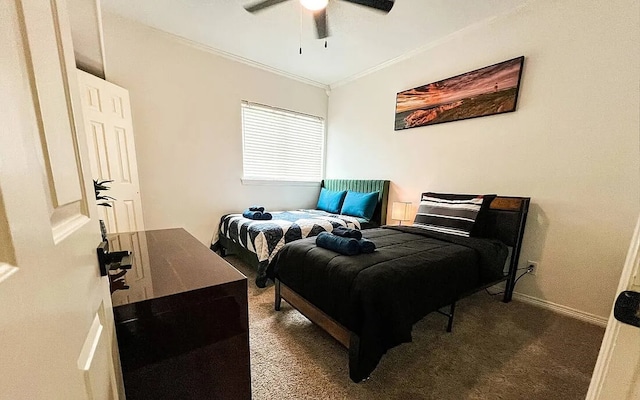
pixel 281 145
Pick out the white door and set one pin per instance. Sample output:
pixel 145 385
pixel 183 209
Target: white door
pixel 56 319
pixel 112 152
pixel 617 372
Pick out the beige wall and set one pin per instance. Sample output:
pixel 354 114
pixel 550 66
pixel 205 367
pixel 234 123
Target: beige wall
pixel 572 145
pixel 186 117
pixel 86 32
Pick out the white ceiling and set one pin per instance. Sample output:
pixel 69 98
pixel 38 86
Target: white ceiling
pixel 361 39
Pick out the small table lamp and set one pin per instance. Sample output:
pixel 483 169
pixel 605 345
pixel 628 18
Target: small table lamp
pixel 401 211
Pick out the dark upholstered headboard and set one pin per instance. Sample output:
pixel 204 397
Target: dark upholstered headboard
pixel 504 219
pixel 365 186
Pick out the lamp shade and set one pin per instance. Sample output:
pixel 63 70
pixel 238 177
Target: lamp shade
pixel 401 210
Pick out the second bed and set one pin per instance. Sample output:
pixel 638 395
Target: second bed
pixel 370 302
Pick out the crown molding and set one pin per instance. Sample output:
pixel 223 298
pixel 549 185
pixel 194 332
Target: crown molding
pixel 430 45
pixel 328 87
pixel 232 57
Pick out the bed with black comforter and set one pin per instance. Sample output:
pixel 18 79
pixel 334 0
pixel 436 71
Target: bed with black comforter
pixel 258 241
pixel 377 297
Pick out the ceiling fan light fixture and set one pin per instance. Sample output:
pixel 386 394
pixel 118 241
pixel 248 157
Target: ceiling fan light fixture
pixel 314 5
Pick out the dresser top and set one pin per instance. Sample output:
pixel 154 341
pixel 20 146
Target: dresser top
pixel 168 262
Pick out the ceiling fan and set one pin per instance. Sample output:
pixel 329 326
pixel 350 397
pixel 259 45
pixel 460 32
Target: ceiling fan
pixel 319 9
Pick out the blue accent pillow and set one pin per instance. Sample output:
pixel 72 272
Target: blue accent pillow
pixel 330 200
pixel 359 204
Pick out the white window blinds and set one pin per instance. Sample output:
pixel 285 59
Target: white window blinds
pixel 281 145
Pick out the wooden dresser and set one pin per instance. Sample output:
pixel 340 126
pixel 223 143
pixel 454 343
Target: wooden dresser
pixel 182 326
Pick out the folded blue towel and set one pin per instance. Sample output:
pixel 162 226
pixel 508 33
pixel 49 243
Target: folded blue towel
pixel 256 208
pixel 347 232
pixel 366 246
pixel 257 215
pixel 252 214
pixel 342 245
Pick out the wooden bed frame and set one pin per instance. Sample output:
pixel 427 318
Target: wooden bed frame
pixel 228 246
pixel 504 220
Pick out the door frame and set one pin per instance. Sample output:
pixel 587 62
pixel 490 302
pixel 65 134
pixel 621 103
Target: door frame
pixel 602 371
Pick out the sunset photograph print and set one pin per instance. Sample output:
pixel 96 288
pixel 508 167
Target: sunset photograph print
pixel 485 91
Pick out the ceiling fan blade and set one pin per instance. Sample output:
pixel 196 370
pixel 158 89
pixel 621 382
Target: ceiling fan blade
pixel 321 23
pixel 382 5
pixel 262 5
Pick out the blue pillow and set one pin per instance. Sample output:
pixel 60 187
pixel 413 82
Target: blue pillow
pixel 330 200
pixel 359 204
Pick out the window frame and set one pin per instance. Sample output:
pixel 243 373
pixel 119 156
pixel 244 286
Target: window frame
pixel 278 181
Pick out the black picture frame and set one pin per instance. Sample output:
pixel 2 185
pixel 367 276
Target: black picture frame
pixel 482 92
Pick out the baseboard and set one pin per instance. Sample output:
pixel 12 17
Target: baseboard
pixel 560 309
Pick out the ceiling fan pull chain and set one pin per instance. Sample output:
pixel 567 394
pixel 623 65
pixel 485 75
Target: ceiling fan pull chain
pixel 300 33
pixel 325 43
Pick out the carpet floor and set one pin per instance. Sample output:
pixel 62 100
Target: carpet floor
pixel 496 351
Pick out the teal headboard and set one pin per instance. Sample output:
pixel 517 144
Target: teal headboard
pixel 365 186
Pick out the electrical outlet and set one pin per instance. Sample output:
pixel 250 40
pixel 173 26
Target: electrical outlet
pixel 532 267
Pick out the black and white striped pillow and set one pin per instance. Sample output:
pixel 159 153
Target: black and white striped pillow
pixel 450 214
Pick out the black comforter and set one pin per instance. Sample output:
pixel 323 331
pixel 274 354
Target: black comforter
pixel 379 296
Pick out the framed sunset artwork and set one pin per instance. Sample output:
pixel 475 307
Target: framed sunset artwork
pixel 485 91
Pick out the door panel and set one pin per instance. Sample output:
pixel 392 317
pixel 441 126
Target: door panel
pixel 94 360
pixel 7 252
pixel 98 146
pixel 50 288
pixel 55 115
pixel 109 128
